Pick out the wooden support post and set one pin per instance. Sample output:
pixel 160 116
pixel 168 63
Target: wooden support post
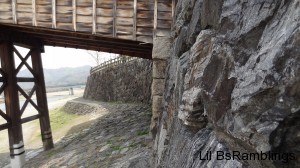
pixel 42 99
pixel 17 152
pixel 155 19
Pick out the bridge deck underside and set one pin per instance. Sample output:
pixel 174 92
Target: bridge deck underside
pixel 134 20
pixel 38 36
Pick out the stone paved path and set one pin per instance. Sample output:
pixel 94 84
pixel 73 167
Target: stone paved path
pixel 119 138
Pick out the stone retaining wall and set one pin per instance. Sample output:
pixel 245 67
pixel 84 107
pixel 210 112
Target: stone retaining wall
pixel 128 82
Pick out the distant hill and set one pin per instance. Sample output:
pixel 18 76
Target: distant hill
pixel 61 76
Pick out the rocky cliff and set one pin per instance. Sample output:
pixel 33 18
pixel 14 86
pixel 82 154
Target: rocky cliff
pixel 127 82
pixel 232 92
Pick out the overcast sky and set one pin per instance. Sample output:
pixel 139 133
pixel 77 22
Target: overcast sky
pixel 58 57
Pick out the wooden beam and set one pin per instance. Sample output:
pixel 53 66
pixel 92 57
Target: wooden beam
pixel 14 11
pixel 134 19
pixel 94 16
pixel 114 18
pixel 33 13
pixel 12 104
pixel 4 116
pixel 5 126
pixel 74 14
pixel 54 14
pixel 31 118
pixel 155 19
pixel 42 99
pixel 25 79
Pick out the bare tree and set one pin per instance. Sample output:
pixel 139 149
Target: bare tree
pixel 95 56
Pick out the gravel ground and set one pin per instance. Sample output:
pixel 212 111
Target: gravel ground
pixel 119 138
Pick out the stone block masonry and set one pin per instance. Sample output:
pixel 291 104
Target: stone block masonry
pixel 160 54
pixel 127 82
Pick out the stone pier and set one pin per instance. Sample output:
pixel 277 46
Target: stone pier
pixel 160 54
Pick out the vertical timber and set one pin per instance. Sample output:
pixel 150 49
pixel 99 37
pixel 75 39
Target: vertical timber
pixel 17 152
pixel 42 99
pixel 54 14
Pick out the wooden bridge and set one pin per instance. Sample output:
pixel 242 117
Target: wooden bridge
pixel 99 25
pixel 125 27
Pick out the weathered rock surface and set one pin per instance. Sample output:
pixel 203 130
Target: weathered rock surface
pixel 118 139
pixel 233 85
pixel 128 82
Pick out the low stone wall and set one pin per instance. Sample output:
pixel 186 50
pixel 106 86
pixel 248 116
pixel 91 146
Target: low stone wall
pixel 127 82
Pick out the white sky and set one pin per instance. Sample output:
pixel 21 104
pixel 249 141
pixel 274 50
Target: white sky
pixel 58 57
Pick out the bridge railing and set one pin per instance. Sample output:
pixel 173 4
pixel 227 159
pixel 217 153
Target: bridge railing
pixel 111 63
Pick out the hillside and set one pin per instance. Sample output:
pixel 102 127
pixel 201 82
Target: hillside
pixel 61 76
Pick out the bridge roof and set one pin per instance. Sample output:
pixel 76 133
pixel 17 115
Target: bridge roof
pixel 118 26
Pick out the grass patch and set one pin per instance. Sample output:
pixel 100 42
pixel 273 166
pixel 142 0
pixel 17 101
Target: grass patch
pixel 142 132
pixel 59 118
pixel 116 147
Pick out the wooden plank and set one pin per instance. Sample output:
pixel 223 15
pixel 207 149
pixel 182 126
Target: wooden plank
pixel 65 26
pixel 125 4
pixel 4 116
pixel 31 118
pixel 84 3
pixel 42 99
pixel 134 20
pixel 104 28
pixel 173 8
pixel 74 14
pixel 25 16
pixel 164 7
pixel 122 36
pixel 41 17
pixel 45 24
pixel 94 16
pixel 84 19
pixel 5 126
pixel 33 13
pixel 14 11
pixel 64 2
pixel 64 9
pixel 164 24
pixel 148 5
pixel 46 9
pixel 24 8
pixel 84 11
pixel 25 79
pixel 11 95
pixel 114 18
pixel 125 13
pixel 54 14
pixel 104 12
pixel 155 19
pixel 44 2
pixel 145 14
pixel 125 30
pixel 124 21
pixel 28 2
pixel 64 18
pixel 84 27
pixel 6 7
pixel 6 16
pixel 144 31
pixel 144 23
pixel 164 16
pixel 105 20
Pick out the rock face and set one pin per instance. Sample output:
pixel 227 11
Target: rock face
pixel 233 86
pixel 128 82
